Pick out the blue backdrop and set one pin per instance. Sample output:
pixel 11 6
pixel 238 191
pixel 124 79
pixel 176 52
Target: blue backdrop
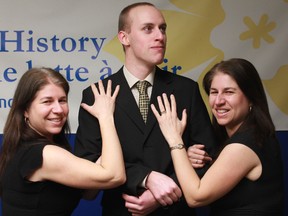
pixel 92 208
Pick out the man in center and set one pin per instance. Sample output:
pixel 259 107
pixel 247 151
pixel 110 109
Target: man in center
pixel 152 187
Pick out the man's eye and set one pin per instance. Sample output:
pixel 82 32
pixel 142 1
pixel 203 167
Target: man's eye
pixel 163 29
pixel 148 28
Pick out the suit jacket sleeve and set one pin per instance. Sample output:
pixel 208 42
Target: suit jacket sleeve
pixel 88 140
pixel 199 126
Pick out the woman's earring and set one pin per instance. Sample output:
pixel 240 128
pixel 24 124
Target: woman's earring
pixel 250 108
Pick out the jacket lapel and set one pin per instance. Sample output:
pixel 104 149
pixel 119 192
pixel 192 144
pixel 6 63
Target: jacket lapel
pixel 162 84
pixel 126 102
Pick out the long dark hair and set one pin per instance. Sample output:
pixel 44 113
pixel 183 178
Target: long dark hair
pixel 249 81
pixel 16 130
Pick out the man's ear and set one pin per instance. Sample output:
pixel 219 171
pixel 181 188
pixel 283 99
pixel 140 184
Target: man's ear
pixel 123 38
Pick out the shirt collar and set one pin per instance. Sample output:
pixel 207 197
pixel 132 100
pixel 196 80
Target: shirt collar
pixel 132 80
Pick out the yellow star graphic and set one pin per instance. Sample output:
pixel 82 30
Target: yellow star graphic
pixel 256 32
pixel 276 87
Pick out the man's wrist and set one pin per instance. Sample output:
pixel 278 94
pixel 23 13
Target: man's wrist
pixel 144 182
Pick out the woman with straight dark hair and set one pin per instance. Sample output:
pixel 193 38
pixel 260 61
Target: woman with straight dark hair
pixel 247 176
pixel 38 173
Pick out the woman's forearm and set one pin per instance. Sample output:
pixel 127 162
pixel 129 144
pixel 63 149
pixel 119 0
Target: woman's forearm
pixel 112 157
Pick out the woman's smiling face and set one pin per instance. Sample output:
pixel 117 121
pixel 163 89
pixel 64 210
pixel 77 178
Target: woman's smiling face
pixel 48 111
pixel 228 103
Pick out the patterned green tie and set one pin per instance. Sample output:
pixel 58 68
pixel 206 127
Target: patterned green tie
pixel 143 98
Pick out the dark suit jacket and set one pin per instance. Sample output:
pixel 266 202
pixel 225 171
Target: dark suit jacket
pixel 144 146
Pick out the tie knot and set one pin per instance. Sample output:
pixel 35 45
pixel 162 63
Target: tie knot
pixel 142 86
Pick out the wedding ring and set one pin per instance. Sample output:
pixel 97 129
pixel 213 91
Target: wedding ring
pixel 196 161
pixel 162 112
